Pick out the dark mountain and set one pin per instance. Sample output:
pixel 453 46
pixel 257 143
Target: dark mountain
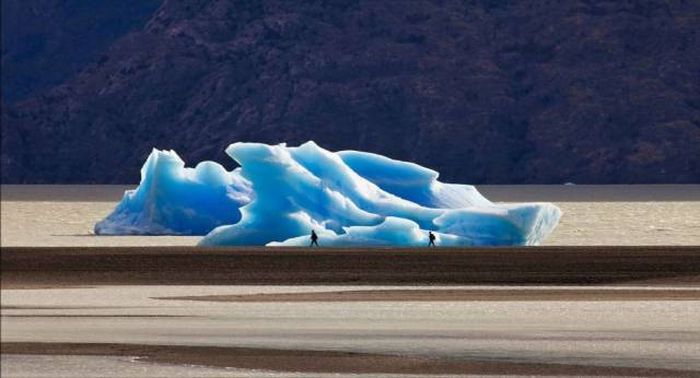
pixel 47 41
pixel 485 91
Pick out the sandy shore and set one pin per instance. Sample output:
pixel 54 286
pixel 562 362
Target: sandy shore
pixel 322 361
pixel 618 312
pixel 48 267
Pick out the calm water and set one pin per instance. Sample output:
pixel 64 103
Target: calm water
pixel 593 215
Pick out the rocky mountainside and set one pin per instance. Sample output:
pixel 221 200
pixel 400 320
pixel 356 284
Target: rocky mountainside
pixel 47 41
pixel 484 91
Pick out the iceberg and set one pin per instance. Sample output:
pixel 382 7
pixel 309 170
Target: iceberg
pixel 411 181
pixel 392 231
pixel 174 200
pixel 350 198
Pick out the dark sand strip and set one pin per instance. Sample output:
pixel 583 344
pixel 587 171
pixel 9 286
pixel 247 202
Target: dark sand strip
pixel 322 361
pixel 32 267
pixel 64 307
pixel 94 316
pixel 457 295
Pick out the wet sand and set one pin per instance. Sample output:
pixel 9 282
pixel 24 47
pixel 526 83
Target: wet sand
pixel 451 295
pixel 49 267
pixel 323 361
pixel 655 336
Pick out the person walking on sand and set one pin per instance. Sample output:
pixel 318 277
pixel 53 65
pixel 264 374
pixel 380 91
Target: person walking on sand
pixel 314 239
pixel 431 237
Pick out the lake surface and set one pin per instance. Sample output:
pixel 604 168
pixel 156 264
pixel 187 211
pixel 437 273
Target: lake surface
pixel 64 215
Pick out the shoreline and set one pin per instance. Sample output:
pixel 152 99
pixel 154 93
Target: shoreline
pixel 495 193
pixel 65 216
pixel 26 267
pixel 310 361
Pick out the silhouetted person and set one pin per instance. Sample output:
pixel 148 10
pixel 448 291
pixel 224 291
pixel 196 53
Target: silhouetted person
pixel 314 239
pixel 431 236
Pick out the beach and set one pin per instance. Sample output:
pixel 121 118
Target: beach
pixel 619 330
pixel 74 304
pixel 65 266
pixel 611 311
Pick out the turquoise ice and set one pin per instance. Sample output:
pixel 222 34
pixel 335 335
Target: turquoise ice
pixel 174 200
pixel 350 198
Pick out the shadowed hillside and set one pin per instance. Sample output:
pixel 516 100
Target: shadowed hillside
pixel 483 91
pixel 47 41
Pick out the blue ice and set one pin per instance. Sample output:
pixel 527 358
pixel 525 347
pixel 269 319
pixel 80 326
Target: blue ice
pixel 174 200
pixel 350 198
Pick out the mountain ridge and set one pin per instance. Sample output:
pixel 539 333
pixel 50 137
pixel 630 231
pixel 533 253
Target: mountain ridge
pixel 481 91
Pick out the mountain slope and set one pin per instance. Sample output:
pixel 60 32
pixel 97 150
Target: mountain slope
pixel 483 91
pixel 47 41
